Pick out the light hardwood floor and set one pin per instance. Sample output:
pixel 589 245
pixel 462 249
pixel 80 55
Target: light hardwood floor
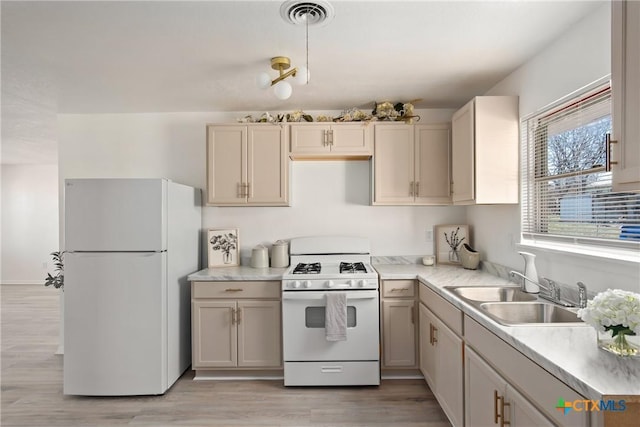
pixel 32 388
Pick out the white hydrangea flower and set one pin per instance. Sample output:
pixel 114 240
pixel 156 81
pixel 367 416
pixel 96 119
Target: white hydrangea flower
pixel 613 307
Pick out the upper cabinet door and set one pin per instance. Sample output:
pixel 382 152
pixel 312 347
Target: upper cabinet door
pixel 625 70
pixel 267 165
pixel 432 164
pixel 310 138
pixel 328 141
pixel 485 151
pixel 350 138
pixel 393 164
pixel 226 170
pixel 247 165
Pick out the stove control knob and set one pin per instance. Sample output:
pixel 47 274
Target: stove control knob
pixel 330 284
pixel 295 284
pixel 352 283
pixel 307 284
pixel 362 283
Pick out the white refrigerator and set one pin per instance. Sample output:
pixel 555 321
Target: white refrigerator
pixel 130 244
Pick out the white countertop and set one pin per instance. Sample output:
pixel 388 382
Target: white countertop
pixel 568 352
pixel 237 273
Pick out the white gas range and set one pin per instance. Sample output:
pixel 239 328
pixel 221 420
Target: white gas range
pixel 331 313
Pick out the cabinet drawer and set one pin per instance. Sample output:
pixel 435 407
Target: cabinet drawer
pixel 449 314
pixel 257 289
pixel 398 288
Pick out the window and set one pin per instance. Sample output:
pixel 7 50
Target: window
pixel 566 191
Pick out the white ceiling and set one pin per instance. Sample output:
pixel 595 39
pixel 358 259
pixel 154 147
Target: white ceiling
pixel 162 56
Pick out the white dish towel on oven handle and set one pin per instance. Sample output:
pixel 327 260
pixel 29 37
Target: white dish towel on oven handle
pixel 335 319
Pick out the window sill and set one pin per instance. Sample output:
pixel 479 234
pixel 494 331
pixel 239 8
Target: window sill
pixel 624 256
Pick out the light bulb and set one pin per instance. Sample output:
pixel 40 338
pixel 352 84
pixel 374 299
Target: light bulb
pixel 282 90
pixel 302 76
pixel 263 80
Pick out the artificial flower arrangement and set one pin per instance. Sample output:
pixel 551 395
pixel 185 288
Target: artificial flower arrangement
pixel 614 312
pixel 382 111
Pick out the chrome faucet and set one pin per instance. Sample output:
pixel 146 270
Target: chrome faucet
pixel 582 295
pixel 525 279
pixel 553 289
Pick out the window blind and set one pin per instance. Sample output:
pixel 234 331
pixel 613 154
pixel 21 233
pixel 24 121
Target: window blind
pixel 566 192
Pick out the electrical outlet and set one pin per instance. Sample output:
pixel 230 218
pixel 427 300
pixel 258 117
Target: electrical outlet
pixel 428 234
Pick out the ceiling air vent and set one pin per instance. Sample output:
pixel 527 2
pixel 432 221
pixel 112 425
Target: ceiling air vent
pixel 297 12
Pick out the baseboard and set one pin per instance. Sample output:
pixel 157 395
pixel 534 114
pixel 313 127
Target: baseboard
pixel 204 375
pixel 21 282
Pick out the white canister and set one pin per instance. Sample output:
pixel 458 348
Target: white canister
pixel 280 254
pixel 259 257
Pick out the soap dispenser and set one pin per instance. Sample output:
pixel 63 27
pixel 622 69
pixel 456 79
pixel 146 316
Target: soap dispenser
pixel 530 272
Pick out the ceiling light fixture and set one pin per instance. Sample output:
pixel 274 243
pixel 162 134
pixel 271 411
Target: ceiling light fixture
pixel 298 13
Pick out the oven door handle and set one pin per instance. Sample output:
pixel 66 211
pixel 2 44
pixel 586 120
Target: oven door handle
pixel 311 296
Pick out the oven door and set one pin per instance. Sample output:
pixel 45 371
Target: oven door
pixel 304 335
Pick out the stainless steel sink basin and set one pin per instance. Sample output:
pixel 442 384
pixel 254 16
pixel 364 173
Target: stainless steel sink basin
pixel 524 313
pixel 492 293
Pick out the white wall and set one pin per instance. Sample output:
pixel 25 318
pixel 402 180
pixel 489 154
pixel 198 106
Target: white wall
pixel 29 222
pixel 327 197
pixel 580 57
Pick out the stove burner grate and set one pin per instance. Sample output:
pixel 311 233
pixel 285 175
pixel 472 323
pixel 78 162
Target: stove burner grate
pixel 352 267
pixel 307 268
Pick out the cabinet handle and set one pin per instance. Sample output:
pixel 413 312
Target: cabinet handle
pixel 499 415
pixel 239 192
pixel 413 316
pixel 233 316
pixel 238 315
pixel 607 152
pixel 399 289
pixel 504 422
pixel 411 188
pixel 435 335
pixel 248 190
pixel 331 141
pixel 233 290
pixel 431 333
pixel 417 192
pixel 325 142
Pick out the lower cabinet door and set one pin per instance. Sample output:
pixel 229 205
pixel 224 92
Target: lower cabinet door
pixel 483 387
pixel 399 331
pixel 450 382
pixel 524 413
pixel 215 334
pixel 427 347
pixel 259 343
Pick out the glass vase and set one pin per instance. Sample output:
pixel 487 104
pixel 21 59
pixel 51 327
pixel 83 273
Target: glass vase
pixel 623 344
pixel 454 256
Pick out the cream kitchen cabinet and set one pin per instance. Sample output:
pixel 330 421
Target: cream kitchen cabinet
pixel 625 80
pixel 336 140
pixel 491 401
pixel 399 328
pixel 411 164
pixel 236 325
pixel 441 352
pixel 485 151
pixel 502 383
pixel 247 165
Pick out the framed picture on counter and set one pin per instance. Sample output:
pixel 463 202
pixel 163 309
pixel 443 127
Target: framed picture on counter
pixel 223 247
pixel 449 240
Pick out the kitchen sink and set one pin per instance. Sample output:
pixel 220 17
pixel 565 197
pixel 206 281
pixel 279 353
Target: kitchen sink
pixel 492 293
pixel 525 313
